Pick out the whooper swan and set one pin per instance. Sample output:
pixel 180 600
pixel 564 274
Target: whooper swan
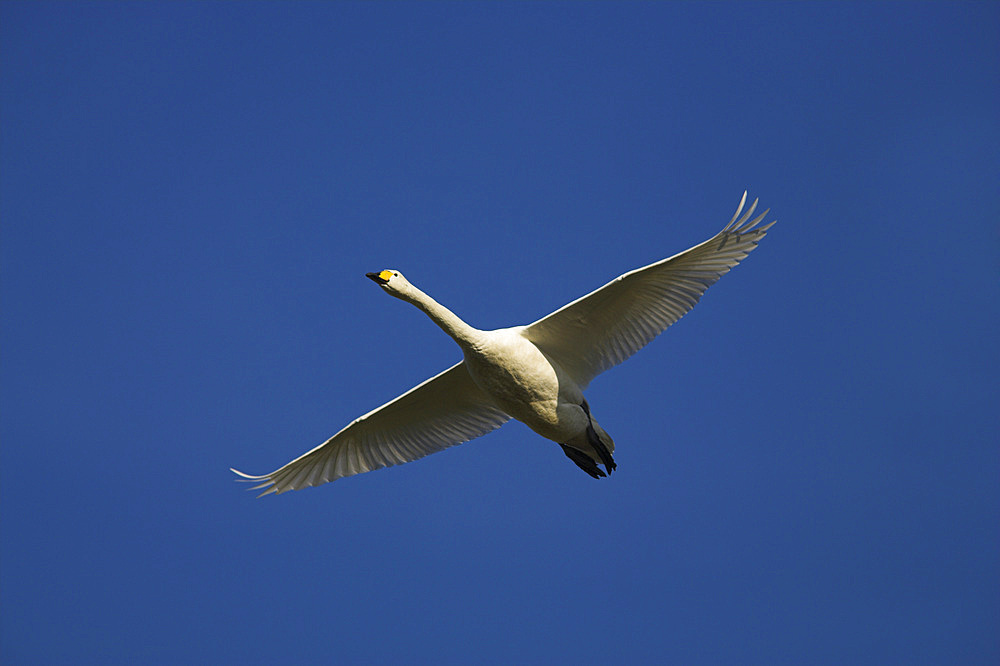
pixel 535 373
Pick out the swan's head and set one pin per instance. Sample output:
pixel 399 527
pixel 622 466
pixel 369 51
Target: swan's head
pixel 391 281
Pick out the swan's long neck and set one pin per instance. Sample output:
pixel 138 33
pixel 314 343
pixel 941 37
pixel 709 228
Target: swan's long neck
pixel 466 336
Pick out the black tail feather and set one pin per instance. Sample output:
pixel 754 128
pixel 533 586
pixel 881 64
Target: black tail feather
pixel 583 461
pixel 602 450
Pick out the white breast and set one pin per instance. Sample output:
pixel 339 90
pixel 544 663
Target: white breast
pixel 526 384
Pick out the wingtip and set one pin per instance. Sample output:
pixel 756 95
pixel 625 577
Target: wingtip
pixel 741 225
pixel 754 222
pixel 268 483
pixel 272 489
pixel 739 209
pixel 245 477
pixel 746 215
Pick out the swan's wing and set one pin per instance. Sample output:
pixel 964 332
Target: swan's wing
pixel 605 327
pixel 445 410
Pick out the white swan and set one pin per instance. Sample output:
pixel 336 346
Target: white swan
pixel 535 373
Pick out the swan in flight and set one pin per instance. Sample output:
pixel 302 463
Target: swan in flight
pixel 535 373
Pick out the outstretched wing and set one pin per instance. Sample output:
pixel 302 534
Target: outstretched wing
pixel 445 410
pixel 605 327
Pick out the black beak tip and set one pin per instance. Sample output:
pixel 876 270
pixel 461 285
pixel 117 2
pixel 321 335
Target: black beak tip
pixel 371 276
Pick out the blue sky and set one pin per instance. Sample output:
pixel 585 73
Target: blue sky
pixel 191 195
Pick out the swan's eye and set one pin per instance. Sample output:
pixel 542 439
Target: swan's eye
pixel 385 275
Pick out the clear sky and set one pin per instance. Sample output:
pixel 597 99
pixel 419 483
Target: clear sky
pixel 191 194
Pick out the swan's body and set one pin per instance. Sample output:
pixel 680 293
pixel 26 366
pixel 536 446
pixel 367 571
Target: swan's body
pixel 535 373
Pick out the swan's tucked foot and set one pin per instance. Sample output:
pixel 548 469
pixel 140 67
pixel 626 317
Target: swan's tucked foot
pixel 595 441
pixel 602 450
pixel 583 461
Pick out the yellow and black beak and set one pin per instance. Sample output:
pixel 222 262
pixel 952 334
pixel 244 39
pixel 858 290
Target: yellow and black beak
pixel 379 278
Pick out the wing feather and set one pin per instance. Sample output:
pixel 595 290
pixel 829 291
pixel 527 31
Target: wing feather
pixel 605 327
pixel 445 410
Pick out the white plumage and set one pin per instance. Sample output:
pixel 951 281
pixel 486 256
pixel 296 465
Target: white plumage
pixel 534 373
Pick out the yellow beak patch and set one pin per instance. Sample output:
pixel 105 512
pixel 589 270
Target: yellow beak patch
pixel 385 275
